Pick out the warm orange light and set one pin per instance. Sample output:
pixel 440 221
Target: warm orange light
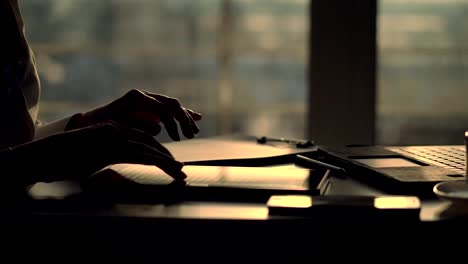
pixel 290 201
pixel 397 202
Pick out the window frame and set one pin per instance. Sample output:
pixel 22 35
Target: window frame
pixel 342 72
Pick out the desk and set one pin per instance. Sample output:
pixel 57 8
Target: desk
pixel 144 231
pixel 199 229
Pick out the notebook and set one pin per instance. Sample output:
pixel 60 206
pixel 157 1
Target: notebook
pixel 400 169
pixel 204 182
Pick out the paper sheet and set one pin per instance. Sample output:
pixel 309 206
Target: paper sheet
pixel 209 149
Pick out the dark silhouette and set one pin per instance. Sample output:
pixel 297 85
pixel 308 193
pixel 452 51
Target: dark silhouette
pixel 119 132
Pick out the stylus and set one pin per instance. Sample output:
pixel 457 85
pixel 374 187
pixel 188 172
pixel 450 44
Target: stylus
pixel 313 163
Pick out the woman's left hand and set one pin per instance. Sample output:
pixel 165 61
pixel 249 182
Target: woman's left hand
pixel 144 111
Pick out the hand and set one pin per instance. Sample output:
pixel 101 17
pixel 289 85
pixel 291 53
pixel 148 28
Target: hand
pixel 144 111
pixel 79 153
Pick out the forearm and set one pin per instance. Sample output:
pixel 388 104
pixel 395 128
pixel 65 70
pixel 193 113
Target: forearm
pixel 32 162
pixel 58 126
pixel 76 121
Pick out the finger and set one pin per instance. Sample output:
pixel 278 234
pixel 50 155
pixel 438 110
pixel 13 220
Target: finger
pixel 178 112
pixel 147 103
pixel 194 125
pixel 140 102
pixel 171 167
pixel 141 153
pixel 171 127
pixel 147 139
pixel 180 115
pixel 196 116
pixel 166 165
pixel 163 149
pixel 135 147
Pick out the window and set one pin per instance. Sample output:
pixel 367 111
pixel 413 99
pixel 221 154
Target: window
pixel 423 72
pixel 241 63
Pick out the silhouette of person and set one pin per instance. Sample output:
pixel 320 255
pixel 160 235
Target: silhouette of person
pixel 121 131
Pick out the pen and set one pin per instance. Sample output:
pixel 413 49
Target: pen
pixel 297 142
pixel 313 163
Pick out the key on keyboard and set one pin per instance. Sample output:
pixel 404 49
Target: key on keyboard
pixel 449 157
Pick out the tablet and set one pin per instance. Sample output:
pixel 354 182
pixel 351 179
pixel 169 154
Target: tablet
pixel 127 181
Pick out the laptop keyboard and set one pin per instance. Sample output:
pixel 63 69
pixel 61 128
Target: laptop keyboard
pixel 449 157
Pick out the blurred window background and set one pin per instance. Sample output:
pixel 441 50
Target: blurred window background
pixel 241 63
pixel 422 71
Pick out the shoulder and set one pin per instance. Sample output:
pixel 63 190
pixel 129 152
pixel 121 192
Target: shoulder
pixel 16 11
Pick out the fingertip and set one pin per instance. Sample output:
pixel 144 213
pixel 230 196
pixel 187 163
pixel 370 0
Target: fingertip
pixel 195 129
pixel 180 175
pixel 189 135
pixel 196 116
pixel 180 165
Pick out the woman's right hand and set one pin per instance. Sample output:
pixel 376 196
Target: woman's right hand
pixel 78 153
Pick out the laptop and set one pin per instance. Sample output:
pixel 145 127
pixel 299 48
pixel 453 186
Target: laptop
pixel 400 169
pixel 134 182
